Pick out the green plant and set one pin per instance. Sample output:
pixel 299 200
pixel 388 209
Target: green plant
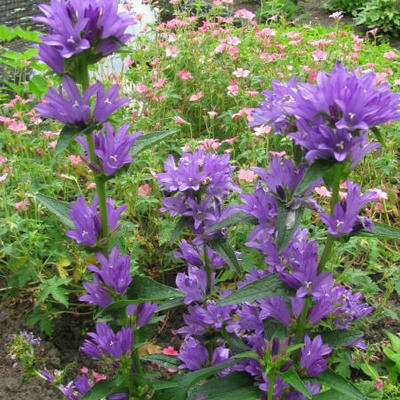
pixel 268 9
pixel 381 14
pixel 347 6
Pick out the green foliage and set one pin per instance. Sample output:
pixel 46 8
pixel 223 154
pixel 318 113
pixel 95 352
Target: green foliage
pixel 347 6
pixel 286 9
pixel 381 14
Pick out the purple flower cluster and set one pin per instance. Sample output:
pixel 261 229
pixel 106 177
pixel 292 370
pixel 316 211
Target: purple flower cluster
pixel 70 107
pixel 87 222
pixel 330 120
pixel 106 342
pixel 112 148
pixel 77 26
pixel 198 185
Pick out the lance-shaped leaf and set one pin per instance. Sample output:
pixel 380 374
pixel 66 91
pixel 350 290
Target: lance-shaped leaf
pixel 59 208
pixel 290 377
pixel 145 141
pixel 67 136
pixel 179 228
pixel 381 230
pixel 314 172
pixel 341 385
pixel 222 246
pixel 163 360
pixel 340 337
pixel 102 389
pixel 238 217
pixel 266 287
pixel 287 222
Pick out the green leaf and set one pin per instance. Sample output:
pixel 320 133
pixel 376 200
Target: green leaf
pixel 223 248
pixel 273 328
pixel 54 287
pixel 340 337
pixel 45 323
pixel 339 384
pixel 141 290
pixel 145 141
pixel 67 136
pixel 59 208
pixel 102 389
pixel 395 341
pixel 287 222
pixel 312 174
pixel 163 360
pixel 233 219
pixel 236 386
pixel 382 231
pixel 269 286
pixel 328 395
pixel 179 227
pixel 38 85
pixel 379 136
pixel 169 304
pixel 290 377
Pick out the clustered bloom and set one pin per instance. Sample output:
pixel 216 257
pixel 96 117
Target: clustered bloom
pixel 112 148
pixel 77 26
pixel 330 119
pixel 87 222
pixel 70 107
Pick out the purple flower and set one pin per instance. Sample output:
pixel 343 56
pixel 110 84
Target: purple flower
pixel 313 388
pixel 192 354
pixel 221 355
pixel 218 315
pixel 275 107
pixel 51 56
pixel 69 391
pixel 68 105
pixel 320 310
pixel 112 148
pixel 350 100
pixel 113 214
pixel 194 284
pixel 195 321
pixel 275 307
pixel 114 271
pixel 106 341
pixel 82 384
pixel 118 396
pixel 47 375
pixel 144 312
pixel 96 293
pixel 312 355
pixel 77 26
pixel 107 103
pixel 345 218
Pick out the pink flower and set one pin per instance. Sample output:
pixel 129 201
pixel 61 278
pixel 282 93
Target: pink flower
pixel 323 191
pixel 144 190
pixel 179 120
pixel 252 93
pixel 185 75
pixel 98 377
pixel 262 130
pixel 232 89
pixel 212 114
pixel 6 120
pixel 38 150
pixel 196 96
pixel 337 16
pixel 380 194
pixel 91 185
pixel 17 126
pixel 3 177
pixel 244 112
pixel 241 73
pixel 231 140
pixel 247 175
pixel 53 144
pixel 186 148
pixel 3 160
pixel 245 14
pixel 379 384
pixel 160 83
pixel 397 82
pixel 48 134
pixel 75 160
pixel 209 144
pixel 277 153
pixel 372 32
pixel 390 55
pixel 319 55
pixel 170 351
pixel 84 370
pixel 171 51
pixel 22 205
pixel 140 88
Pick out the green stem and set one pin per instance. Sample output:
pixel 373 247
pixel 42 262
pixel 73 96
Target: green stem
pixel 302 321
pixel 271 383
pixel 326 255
pixel 207 268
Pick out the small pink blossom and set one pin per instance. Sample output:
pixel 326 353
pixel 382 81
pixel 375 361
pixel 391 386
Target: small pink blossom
pixel 3 177
pixel 380 194
pixel 186 148
pixel 337 16
pixel 245 14
pixel 6 120
pixel 53 144
pixel 252 93
pixel 91 185
pixel 98 377
pixel 247 175
pixel 196 96
pixel 144 190
pixel 171 51
pixel 379 384
pixel 170 351
pixel 209 144
pixel 212 114
pixel 140 88
pixel 84 370
pixel 22 205
pixel 277 153
pixel 390 55
pixel 323 191
pixel 3 160
pixel 241 73
pixel 38 150
pixel 319 55
pixel 231 140
pixel 262 130
pixel 179 120
pixel 17 126
pixel 185 75
pixel 48 134
pixel 73 159
pixel 159 83
pixel 232 89
pixel 372 32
